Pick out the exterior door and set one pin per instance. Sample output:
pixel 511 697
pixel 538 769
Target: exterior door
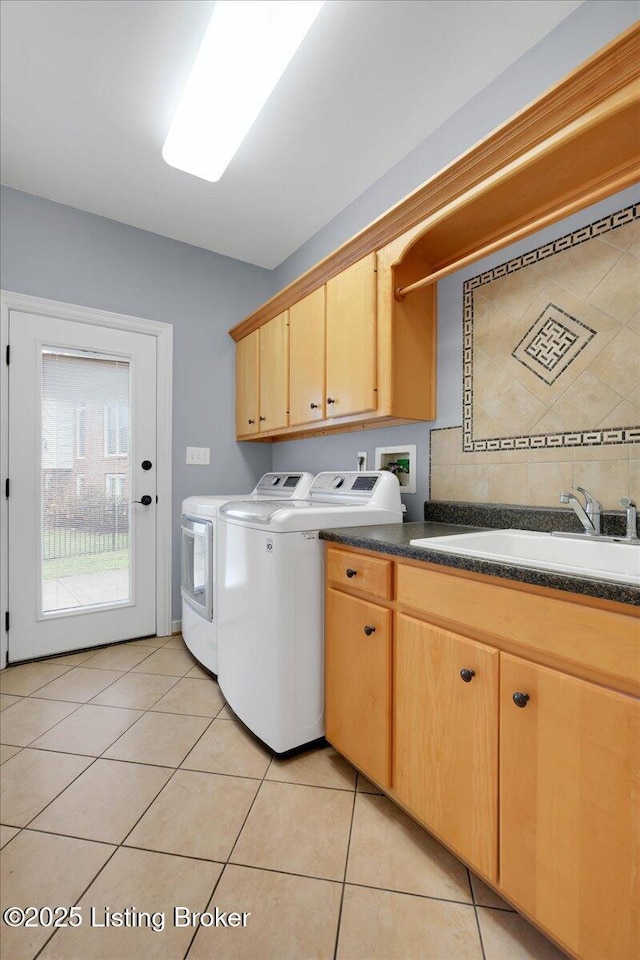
pixel 82 457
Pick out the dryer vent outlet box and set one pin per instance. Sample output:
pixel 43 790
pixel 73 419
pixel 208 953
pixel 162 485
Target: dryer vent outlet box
pixel 402 462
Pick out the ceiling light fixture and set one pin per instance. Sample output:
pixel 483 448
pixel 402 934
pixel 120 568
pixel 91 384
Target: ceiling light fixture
pixel 246 49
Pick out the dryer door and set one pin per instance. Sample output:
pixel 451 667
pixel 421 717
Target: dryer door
pixel 197 559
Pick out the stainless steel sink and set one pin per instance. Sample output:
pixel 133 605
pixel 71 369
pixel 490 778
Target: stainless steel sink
pixel 603 559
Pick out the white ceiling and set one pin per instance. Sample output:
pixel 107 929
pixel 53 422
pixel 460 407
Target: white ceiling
pixel 89 89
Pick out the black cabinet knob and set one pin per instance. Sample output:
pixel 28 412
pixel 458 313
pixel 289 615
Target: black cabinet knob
pixel 262 419
pixel 467 675
pixel 330 400
pixel 146 464
pixel 145 501
pixel 521 699
pixel 369 630
pixel 314 406
pixel 250 421
pixel 351 572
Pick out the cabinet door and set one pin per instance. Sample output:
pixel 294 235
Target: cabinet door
pixel 570 814
pixel 247 354
pixel 306 359
pixel 445 751
pixel 351 339
pixel 274 373
pixel 358 682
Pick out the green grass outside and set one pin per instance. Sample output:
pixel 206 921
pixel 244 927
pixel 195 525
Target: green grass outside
pixel 90 563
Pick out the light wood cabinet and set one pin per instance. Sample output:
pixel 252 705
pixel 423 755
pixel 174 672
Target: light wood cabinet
pixel 247 384
pixel 351 339
pixel 445 749
pixel 358 682
pixel 569 789
pixel 540 793
pixel 262 379
pixel 274 373
pixel 307 360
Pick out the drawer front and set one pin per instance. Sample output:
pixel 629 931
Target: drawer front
pixel 354 571
pixel 578 635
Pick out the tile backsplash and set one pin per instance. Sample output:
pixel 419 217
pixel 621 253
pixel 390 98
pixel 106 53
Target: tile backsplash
pixel 531 476
pixel 551 374
pixel 552 343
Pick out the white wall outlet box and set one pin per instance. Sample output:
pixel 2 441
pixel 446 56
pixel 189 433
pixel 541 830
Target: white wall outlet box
pixel 402 462
pixel 361 460
pixel 201 456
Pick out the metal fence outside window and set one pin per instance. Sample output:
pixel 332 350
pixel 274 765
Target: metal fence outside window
pixel 85 529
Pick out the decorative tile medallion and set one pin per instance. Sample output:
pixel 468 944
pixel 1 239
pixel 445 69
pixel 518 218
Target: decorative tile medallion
pixel 552 341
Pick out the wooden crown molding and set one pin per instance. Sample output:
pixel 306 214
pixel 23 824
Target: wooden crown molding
pixel 609 70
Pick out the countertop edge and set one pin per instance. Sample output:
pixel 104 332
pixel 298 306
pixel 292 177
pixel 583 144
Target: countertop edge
pixel 394 539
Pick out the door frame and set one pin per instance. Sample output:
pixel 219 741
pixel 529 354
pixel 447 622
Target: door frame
pixel 163 332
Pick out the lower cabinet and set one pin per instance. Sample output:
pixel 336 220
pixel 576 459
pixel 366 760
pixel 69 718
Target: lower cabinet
pixel 569 807
pixel 530 774
pixel 358 682
pixel 445 749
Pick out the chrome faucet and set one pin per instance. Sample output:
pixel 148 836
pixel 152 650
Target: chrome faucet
pixel 632 518
pixel 589 515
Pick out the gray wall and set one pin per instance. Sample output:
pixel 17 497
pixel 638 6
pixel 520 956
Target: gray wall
pixel 590 27
pixel 54 251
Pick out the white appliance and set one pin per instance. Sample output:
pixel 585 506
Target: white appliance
pixel 198 551
pixel 271 600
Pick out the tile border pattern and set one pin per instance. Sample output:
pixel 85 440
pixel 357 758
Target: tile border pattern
pixel 577 438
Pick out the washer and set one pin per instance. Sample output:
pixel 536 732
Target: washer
pixel 271 600
pixel 198 557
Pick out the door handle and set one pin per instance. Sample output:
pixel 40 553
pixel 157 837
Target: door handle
pixel 145 501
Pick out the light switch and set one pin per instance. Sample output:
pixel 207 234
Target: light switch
pixel 201 456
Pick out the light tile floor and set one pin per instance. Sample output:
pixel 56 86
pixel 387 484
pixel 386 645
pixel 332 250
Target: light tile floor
pixel 127 782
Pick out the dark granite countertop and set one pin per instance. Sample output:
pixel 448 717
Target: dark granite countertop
pixel 394 538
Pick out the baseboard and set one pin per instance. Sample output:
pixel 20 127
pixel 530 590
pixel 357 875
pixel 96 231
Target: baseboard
pixel 176 626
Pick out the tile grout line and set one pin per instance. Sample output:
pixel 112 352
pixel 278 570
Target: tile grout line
pixel 346 866
pixel 230 854
pixel 119 846
pixel 475 910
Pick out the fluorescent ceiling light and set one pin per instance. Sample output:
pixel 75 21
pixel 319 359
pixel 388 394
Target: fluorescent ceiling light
pixel 246 49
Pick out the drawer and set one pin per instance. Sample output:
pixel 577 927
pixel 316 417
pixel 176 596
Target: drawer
pixel 355 571
pixel 575 635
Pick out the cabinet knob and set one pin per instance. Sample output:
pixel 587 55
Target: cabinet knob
pixel 521 699
pixel 250 421
pixel 351 572
pixel 330 400
pixel 262 419
pixel 369 630
pixel 467 675
pixel 314 406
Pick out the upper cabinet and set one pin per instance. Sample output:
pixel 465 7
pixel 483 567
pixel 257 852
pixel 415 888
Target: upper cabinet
pixel 262 379
pixel 306 359
pixel 362 349
pixel 274 373
pixel 247 382
pixel 351 340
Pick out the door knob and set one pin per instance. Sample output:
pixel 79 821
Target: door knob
pixel 146 464
pixel 145 501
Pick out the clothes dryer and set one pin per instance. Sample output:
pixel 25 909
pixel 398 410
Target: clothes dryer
pixel 198 557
